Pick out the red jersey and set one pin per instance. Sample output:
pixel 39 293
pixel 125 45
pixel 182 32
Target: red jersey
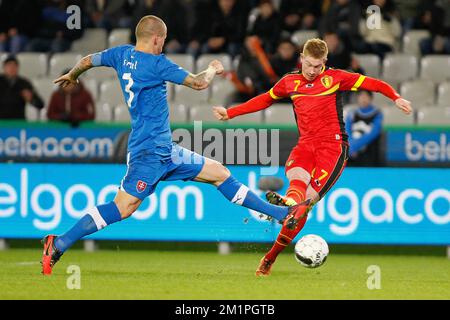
pixel 318 106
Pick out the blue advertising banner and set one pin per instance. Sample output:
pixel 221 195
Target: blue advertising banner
pixel 418 146
pixel 385 206
pixel 58 143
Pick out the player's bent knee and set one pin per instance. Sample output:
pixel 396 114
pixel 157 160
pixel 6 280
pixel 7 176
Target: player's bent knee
pixel 298 173
pixel 222 173
pixel 126 204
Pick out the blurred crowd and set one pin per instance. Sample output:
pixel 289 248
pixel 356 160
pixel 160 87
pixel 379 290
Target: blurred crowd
pixel 211 26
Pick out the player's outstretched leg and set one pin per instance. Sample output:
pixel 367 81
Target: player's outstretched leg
pixel 96 219
pixel 295 194
pixel 215 173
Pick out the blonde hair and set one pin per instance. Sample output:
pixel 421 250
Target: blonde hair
pixel 316 48
pixel 149 26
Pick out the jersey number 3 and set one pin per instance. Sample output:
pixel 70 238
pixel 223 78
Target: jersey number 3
pixel 127 76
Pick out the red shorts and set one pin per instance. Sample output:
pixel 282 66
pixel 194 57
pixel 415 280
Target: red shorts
pixel 324 160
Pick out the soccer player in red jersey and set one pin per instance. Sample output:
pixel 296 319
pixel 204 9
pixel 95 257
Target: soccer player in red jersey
pixel 319 157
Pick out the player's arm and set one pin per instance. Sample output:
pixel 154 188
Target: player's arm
pixel 255 104
pixel 72 76
pixel 202 80
pixel 376 85
pixel 355 81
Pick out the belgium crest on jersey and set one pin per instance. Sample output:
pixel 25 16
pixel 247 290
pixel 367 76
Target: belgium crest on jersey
pixel 327 81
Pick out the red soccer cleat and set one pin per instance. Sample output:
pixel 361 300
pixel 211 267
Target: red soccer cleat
pixel 264 267
pixel 50 255
pixel 297 213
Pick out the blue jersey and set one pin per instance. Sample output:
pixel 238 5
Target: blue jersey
pixel 143 78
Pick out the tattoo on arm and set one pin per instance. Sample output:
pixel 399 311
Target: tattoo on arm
pixel 200 81
pixel 83 65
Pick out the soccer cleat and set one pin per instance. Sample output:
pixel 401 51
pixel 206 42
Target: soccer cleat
pixel 296 213
pixel 278 200
pixel 50 256
pixel 264 267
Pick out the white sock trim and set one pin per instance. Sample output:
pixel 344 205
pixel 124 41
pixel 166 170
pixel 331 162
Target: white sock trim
pixel 97 217
pixel 240 195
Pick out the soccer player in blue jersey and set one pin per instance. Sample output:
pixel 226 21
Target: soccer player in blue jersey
pixel 152 156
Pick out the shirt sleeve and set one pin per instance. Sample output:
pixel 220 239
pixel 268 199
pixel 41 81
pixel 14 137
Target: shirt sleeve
pixel 169 71
pixel 278 91
pixel 350 81
pixel 106 58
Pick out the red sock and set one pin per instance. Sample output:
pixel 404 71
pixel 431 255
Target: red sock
pixel 296 191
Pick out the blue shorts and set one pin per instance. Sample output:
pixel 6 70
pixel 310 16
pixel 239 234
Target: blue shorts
pixel 145 170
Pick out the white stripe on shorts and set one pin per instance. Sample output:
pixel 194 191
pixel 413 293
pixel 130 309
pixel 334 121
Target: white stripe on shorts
pixel 97 217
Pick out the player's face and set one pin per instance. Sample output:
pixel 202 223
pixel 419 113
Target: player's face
pixel 160 42
pixel 311 67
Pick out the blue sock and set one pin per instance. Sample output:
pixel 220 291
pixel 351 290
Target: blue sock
pixel 240 194
pixel 96 219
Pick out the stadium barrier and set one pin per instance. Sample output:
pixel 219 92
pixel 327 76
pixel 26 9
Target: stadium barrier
pixel 367 206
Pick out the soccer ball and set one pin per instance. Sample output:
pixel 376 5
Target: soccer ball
pixel 311 251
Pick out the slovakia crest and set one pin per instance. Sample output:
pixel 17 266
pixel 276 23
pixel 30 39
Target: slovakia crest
pixel 141 186
pixel 327 81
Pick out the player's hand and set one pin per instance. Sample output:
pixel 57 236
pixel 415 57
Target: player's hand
pixel 216 65
pixel 403 105
pixel 66 80
pixel 220 113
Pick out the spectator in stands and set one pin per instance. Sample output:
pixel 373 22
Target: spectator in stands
pixel 72 104
pixel 300 15
pixel 342 17
pixel 286 58
pixel 220 27
pixel 267 25
pixel 434 16
pixel 16 92
pixel 53 34
pixel 408 11
pixel 383 39
pixel 364 126
pixel 339 56
pixel 174 15
pixel 251 73
pixel 107 14
pixel 18 22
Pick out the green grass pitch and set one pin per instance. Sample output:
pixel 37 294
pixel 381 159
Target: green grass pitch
pixel 177 274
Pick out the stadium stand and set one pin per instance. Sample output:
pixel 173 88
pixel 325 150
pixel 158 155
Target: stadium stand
pixel 110 92
pixel 188 96
pixel 397 68
pixel 121 114
pixel 185 61
pixel 103 112
pixel 443 97
pixel 370 63
pixel 393 116
pixel 178 112
pixel 203 61
pixel 411 40
pixel 33 65
pixel 61 61
pixel 93 40
pixel 118 37
pixel 301 36
pixel 433 116
pixel 279 113
pixel 419 92
pixel 435 68
pixel 202 112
